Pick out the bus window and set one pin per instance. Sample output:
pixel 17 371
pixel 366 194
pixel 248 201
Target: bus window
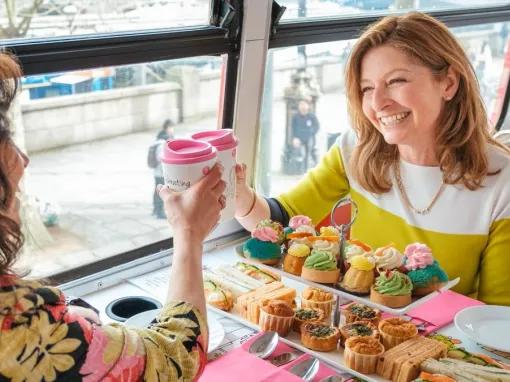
pixel 304 108
pixel 52 18
pixel 346 8
pixel 88 135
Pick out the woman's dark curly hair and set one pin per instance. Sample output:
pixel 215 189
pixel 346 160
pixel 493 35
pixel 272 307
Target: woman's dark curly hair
pixel 11 238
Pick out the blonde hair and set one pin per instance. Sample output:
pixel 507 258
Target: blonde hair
pixel 463 132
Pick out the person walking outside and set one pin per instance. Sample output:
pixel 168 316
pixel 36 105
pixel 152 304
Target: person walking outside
pixel 155 153
pixel 305 126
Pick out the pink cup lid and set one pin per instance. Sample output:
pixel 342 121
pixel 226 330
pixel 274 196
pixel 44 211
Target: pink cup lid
pixel 222 139
pixel 187 151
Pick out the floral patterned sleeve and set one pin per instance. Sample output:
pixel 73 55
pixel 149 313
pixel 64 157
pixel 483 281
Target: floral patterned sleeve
pixel 39 337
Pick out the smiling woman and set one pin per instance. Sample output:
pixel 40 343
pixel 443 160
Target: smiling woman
pixel 403 100
pixel 419 162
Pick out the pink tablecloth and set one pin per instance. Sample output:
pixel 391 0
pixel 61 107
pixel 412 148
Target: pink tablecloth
pixel 239 365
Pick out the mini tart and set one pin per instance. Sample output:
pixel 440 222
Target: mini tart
pixel 360 276
pixel 306 316
pixel 359 312
pixel 361 354
pixel 320 337
pixel 321 267
pixel 295 258
pixel 432 287
pixel 392 288
pixel 389 301
pixel 396 330
pixel 277 316
pixel 358 328
pixel 323 277
pixel 316 298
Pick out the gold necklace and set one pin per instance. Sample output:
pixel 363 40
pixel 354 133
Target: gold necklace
pixel 400 184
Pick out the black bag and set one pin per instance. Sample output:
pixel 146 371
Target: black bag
pixel 152 155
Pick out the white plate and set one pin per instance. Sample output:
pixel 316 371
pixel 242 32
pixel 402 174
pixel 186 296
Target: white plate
pixel 488 325
pixel 216 332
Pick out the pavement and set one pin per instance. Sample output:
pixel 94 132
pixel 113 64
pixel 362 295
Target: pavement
pixel 103 190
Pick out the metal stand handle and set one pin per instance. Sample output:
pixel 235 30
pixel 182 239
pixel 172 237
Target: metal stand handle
pixel 342 228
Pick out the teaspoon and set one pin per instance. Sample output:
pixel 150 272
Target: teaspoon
pixel 263 346
pixel 306 369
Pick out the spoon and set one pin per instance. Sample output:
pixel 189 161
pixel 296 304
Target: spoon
pixel 337 378
pixel 306 369
pixel 284 358
pixel 263 346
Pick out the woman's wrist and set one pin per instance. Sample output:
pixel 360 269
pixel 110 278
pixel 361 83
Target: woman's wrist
pixel 251 204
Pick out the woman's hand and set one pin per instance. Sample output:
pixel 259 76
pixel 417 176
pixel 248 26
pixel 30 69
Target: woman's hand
pixel 196 211
pixel 88 314
pixel 244 194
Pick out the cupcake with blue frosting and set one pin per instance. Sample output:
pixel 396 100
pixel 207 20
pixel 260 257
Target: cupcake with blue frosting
pixel 264 245
pixel 424 271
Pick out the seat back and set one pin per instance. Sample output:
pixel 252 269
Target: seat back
pixel 342 216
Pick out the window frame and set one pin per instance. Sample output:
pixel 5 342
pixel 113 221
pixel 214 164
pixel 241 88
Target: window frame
pixel 67 53
pixel 328 29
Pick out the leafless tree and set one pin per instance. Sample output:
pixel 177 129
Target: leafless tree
pixel 18 25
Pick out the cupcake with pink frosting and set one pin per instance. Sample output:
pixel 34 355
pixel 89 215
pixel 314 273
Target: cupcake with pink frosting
pixel 423 270
pixel 300 229
pixel 265 243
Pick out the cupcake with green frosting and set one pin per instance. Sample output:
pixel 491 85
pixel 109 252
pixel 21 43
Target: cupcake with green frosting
pixel 321 267
pixel 392 289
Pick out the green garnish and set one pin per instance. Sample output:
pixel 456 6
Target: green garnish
pixel 320 330
pixel 362 311
pixel 307 314
pixel 359 330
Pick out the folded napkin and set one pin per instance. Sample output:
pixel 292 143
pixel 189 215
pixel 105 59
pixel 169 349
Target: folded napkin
pixel 238 365
pixel 440 310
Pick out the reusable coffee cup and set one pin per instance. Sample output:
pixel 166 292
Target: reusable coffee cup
pixel 225 143
pixel 185 162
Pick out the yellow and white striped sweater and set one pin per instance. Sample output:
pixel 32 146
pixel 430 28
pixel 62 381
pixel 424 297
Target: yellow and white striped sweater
pixel 468 231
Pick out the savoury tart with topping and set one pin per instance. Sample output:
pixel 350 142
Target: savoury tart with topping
pixel 320 337
pixel 359 312
pixel 307 315
pixel 358 328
